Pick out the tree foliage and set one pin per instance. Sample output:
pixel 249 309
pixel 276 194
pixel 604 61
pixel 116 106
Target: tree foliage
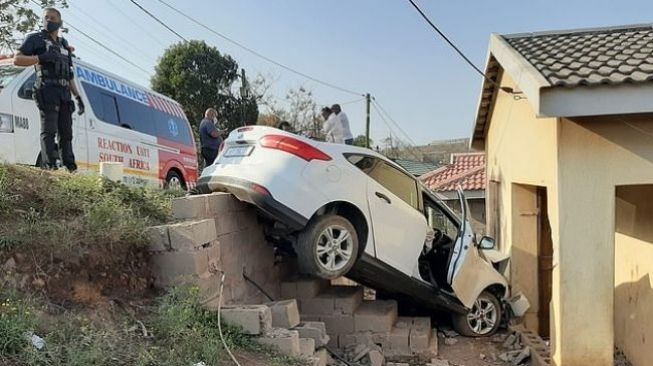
pixel 361 141
pixel 18 18
pixel 198 76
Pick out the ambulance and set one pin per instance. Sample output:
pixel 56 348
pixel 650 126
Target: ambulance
pixel 145 131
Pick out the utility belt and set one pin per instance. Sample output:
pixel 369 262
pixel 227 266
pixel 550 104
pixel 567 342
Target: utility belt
pixel 51 82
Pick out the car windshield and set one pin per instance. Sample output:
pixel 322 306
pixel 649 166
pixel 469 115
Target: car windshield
pixel 8 73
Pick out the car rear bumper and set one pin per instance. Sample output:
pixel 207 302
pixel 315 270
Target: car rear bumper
pixel 245 191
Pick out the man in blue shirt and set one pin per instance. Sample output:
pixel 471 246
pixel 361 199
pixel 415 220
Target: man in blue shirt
pixel 210 136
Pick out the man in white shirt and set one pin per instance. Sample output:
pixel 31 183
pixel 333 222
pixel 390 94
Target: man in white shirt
pixel 344 122
pixel 332 126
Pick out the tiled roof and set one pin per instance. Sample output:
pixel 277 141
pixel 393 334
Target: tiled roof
pixel 589 57
pixel 416 168
pixel 466 170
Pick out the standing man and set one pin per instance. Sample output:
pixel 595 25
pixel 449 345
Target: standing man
pixel 344 123
pixel 210 136
pixel 332 126
pixel 52 57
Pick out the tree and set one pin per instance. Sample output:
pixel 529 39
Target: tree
pixel 18 18
pixel 198 76
pixel 361 141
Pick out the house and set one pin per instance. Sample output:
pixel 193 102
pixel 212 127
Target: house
pixel 466 170
pixel 566 121
pixel 414 167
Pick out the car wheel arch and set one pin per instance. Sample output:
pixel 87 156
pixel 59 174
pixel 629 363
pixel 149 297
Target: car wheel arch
pixel 351 213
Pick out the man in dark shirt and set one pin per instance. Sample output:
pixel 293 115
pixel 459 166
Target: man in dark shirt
pixel 210 136
pixel 52 57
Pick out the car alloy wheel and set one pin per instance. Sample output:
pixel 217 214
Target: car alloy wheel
pixel 483 316
pixel 335 247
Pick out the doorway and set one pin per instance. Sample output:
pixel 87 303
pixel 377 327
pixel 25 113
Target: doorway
pixel 544 263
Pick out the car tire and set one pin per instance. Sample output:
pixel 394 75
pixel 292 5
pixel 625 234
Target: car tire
pixel 174 181
pixel 483 319
pixel 327 247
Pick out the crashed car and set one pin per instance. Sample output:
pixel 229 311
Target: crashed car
pixel 349 211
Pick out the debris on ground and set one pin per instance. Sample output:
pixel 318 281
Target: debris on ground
pixel 518 354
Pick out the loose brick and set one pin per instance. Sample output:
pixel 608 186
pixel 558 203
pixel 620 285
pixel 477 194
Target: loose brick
pixel 338 324
pixel 159 239
pixel 306 347
pixel 352 339
pixel 419 339
pixel 190 207
pixel 286 341
pixel 191 235
pixel 254 319
pixel 314 330
pixel 285 314
pixel 376 316
pixel 222 203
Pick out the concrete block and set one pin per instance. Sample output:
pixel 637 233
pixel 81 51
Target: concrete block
pixel 419 339
pixel 286 341
pixel 254 319
pixel 374 358
pixel 353 339
pixel 190 235
pixel 285 314
pixel 159 241
pixel 222 203
pixel 375 316
pixel 398 341
pixel 306 347
pixel 190 207
pixel 304 287
pixel 315 331
pixel 318 305
pixel 346 299
pixel 227 222
pixel 338 324
pixel 171 268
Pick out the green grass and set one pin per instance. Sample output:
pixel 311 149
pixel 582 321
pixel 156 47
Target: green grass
pixel 182 334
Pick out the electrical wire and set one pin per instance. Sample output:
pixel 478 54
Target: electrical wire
pixel 374 101
pixel 409 147
pixel 158 20
pixel 224 343
pixel 449 41
pixel 256 53
pixel 135 23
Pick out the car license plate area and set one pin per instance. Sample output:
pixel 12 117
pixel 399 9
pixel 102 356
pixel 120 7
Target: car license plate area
pixel 238 151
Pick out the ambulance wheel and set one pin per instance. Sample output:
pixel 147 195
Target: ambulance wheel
pixel 174 181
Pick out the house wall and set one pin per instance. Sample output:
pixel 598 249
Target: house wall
pixel 633 299
pixel 580 162
pixel 477 210
pixel 521 151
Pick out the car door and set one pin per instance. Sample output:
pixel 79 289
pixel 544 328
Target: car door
pixel 398 225
pixel 468 273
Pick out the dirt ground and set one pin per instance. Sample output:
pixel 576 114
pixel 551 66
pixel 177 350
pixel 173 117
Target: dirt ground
pixel 472 351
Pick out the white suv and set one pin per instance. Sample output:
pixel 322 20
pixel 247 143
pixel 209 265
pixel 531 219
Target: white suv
pixel 350 211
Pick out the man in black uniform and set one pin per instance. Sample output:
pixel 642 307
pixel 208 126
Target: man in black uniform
pixel 52 58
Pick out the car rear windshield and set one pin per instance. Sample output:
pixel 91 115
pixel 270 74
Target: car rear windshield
pixel 8 73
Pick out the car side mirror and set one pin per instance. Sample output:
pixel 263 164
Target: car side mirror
pixel 487 243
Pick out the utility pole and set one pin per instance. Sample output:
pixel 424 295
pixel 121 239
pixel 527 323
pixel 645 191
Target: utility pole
pixel 368 100
pixel 244 94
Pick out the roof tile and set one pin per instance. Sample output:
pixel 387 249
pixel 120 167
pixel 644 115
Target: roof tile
pixel 590 57
pixel 466 170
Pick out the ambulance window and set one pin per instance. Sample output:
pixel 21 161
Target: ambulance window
pixel 137 116
pixel 109 108
pixel 26 90
pixel 173 128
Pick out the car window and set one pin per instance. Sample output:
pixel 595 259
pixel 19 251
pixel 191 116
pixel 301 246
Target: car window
pixel 109 108
pixel 397 182
pixel 26 90
pixel 138 116
pixel 438 220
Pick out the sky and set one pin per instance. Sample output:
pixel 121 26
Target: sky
pixel 381 47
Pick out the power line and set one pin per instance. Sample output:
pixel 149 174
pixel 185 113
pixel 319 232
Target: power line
pixel 409 147
pixel 100 44
pixel 158 20
pixel 256 53
pixel 135 23
pixel 374 101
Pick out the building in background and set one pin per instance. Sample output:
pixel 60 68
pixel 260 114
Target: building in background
pixel 466 170
pixel 414 167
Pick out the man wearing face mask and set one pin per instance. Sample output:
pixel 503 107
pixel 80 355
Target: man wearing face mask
pixel 210 136
pixel 52 57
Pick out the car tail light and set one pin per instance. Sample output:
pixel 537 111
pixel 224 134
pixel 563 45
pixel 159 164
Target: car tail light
pixel 260 189
pixel 293 146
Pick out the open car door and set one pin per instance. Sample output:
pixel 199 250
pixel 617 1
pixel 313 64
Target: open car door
pixel 468 274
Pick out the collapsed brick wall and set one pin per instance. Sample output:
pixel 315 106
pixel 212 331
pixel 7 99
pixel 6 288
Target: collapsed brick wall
pixel 216 233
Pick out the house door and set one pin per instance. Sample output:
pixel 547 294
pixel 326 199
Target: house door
pixel 545 263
